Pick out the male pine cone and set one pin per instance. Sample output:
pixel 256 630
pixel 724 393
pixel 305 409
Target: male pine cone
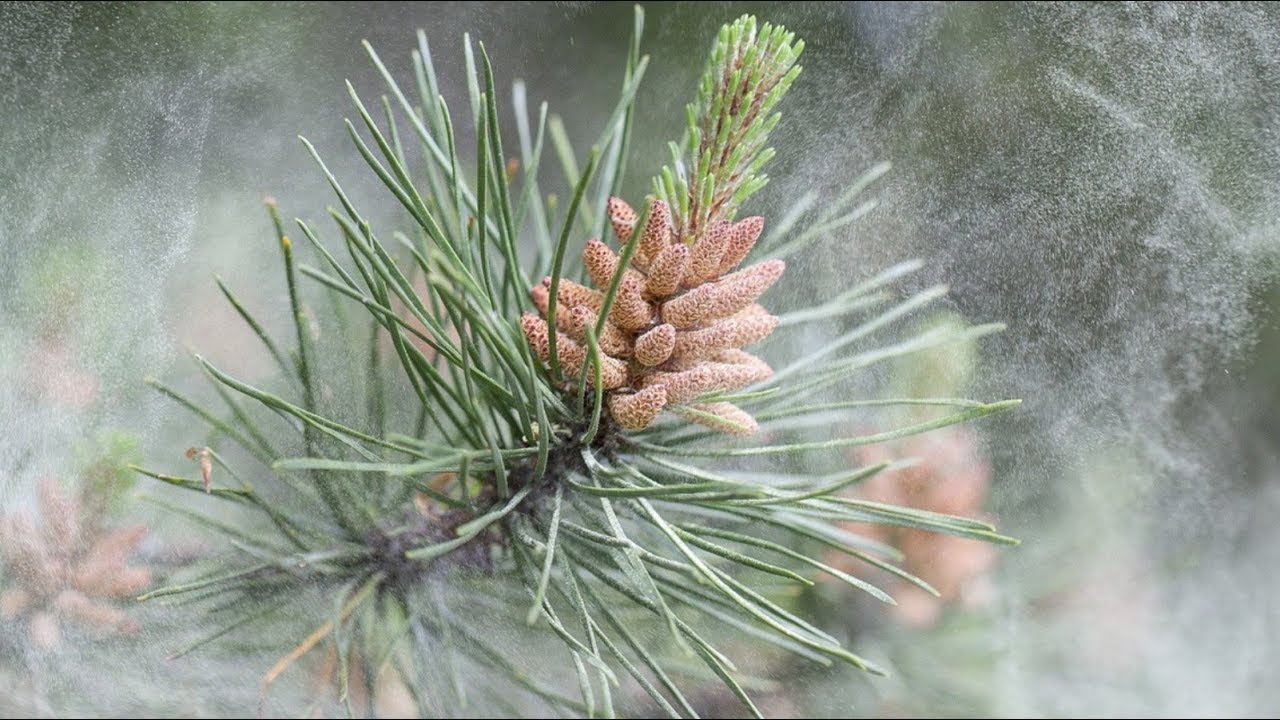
pixel 677 324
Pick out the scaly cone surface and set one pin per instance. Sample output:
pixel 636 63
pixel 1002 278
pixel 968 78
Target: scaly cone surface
pixel 677 325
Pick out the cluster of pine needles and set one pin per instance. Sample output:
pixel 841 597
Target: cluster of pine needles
pixel 454 491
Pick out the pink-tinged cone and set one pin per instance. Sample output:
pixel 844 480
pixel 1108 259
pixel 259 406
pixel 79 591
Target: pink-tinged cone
pixel 722 416
pixel 705 256
pixel 742 238
pixel 666 272
pixel 67 568
pixel 676 323
pixel 572 355
pixel 622 218
pixel 734 356
pixel 90 614
pixel 613 341
pixel 688 385
pixel 630 311
pixel 657 231
pixel 536 332
pixel 732 332
pixel 613 372
pixel 730 294
pixel 654 347
pixel 570 294
pixel 541 299
pixel 636 411
pixel 600 262
pixel 60 514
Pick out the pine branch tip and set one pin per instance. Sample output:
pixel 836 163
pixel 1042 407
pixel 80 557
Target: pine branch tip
pixel 516 403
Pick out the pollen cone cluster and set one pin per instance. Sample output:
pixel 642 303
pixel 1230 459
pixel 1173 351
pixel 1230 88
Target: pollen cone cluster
pixel 677 324
pixel 69 568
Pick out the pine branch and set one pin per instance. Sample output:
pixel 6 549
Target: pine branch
pixel 501 465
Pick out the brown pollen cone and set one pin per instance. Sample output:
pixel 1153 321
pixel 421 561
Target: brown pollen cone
pixel 678 321
pixel 69 568
pixel 951 477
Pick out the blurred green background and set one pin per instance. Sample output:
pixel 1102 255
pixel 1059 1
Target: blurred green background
pixel 1102 177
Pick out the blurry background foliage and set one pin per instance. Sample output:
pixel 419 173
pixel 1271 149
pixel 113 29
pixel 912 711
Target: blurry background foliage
pixel 1102 177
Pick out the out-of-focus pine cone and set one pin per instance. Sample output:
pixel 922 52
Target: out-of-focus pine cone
pixel 677 324
pixel 68 568
pixel 952 477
